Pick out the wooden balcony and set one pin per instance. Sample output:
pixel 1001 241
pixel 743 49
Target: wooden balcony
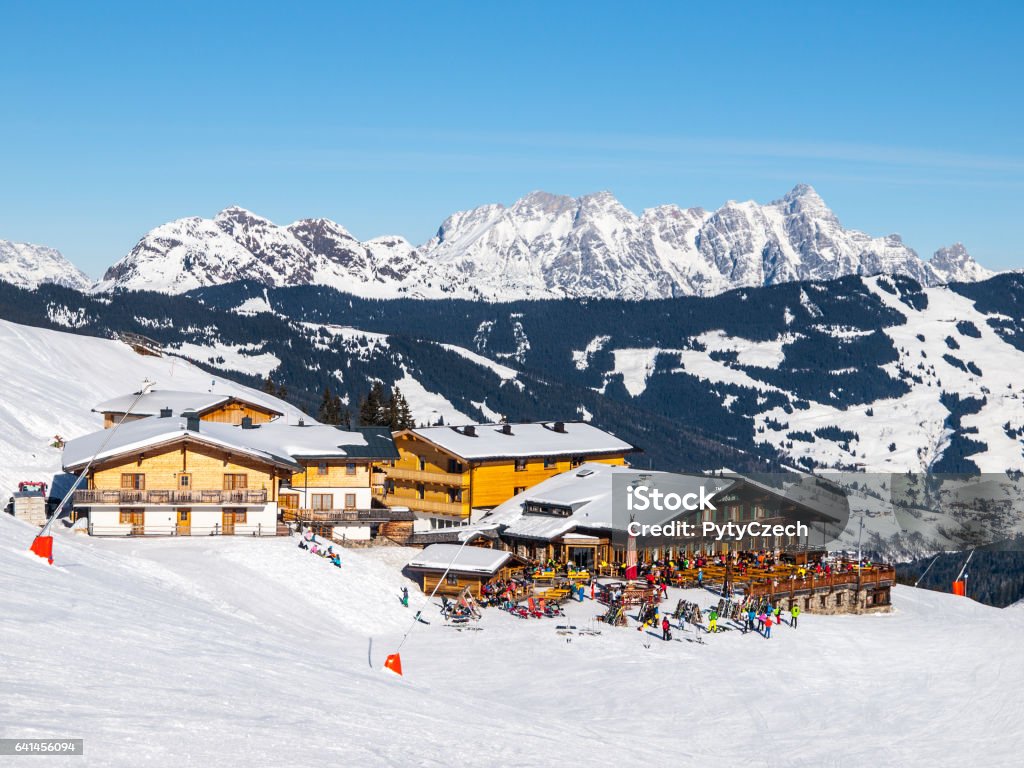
pixel 422 476
pixel 453 508
pixel 123 497
pixel 346 515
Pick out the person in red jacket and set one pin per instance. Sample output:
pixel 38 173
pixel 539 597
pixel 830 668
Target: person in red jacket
pixel 666 629
pixel 767 627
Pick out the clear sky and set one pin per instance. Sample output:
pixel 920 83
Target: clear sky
pixel 386 117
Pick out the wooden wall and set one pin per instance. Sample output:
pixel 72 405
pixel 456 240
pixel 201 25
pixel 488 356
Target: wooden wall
pixel 206 465
pixel 337 475
pixel 494 482
pixel 233 413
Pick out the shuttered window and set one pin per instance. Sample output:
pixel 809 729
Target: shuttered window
pixel 135 482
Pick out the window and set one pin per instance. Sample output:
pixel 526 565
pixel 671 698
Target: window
pixel 183 516
pixel 350 468
pixel 350 501
pixel 323 502
pixel 134 482
pixel 550 462
pixel 576 461
pixel 184 482
pixel 520 465
pixel 234 482
pixel 238 514
pixel 451 580
pixel 420 490
pixel 321 468
pixel 454 495
pixel 126 517
pixel 518 489
pixel 455 466
pixel 423 464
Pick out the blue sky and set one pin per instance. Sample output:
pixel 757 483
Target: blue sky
pixel 388 117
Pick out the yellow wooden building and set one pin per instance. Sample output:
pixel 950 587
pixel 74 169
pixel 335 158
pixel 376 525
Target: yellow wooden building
pixel 223 407
pixel 179 475
pixel 444 473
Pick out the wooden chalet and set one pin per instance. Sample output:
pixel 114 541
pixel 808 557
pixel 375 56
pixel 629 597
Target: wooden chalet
pixel 473 567
pixel 445 473
pixel 222 407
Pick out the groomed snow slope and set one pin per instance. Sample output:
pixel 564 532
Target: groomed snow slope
pixel 220 651
pixel 51 381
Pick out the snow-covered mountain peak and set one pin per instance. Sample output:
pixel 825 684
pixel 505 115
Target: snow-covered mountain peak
pixel 29 266
pixel 954 264
pixel 542 245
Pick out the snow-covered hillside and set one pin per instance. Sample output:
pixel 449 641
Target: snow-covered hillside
pixel 52 380
pixel 543 246
pixel 221 651
pixel 28 266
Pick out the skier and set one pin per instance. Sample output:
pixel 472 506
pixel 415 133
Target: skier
pixel 666 629
pixel 778 614
pixel 700 577
pixel 751 615
pixel 767 627
pixel 713 621
pixel 336 560
pixel 794 612
pixel 405 596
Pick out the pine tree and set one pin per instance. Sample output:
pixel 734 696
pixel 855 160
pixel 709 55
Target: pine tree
pixel 282 392
pixel 401 413
pixel 330 408
pixel 268 386
pixel 370 407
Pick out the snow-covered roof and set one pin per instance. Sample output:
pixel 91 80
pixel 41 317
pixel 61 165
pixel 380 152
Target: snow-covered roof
pixel 155 400
pixel 275 442
pixel 489 441
pixel 587 491
pixel 471 559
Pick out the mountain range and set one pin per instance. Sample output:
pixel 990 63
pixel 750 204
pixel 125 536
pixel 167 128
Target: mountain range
pixel 543 246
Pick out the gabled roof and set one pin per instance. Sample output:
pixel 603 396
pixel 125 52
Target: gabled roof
pixel 151 403
pixel 274 442
pixel 437 557
pixel 490 441
pixel 587 491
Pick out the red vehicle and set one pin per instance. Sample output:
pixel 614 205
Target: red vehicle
pixel 32 486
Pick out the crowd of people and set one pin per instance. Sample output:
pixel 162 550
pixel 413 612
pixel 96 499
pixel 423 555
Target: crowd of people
pixel 308 542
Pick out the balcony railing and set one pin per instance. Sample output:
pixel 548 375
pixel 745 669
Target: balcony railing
pixel 123 497
pixel 423 476
pixel 424 505
pixel 346 515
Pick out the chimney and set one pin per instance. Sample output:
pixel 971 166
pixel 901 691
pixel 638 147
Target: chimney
pixel 506 429
pixel 559 426
pixel 191 420
pixel 469 431
pixel 247 422
pixel 302 422
pixel 166 413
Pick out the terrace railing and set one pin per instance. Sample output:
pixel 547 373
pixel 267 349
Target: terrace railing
pixel 122 497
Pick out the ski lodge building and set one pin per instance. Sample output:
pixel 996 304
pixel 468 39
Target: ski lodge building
pixel 574 517
pixel 180 475
pixel 444 474
pixel 226 408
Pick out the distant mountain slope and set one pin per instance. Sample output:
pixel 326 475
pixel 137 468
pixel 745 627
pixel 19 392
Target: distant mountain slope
pixel 29 266
pixel 543 246
pixel 54 378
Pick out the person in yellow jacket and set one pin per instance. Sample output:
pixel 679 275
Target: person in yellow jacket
pixel 794 612
pixel 713 621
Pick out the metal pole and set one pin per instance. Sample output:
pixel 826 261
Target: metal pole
pixel 146 386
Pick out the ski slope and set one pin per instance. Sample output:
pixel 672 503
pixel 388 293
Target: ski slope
pixel 51 381
pixel 221 651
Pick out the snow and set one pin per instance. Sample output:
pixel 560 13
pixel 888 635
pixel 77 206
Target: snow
pixel 58 379
pixel 469 558
pixel 29 266
pixel 530 439
pixel 635 367
pixel 427 407
pixel 273 441
pixel 504 372
pixel 248 647
pixel 157 399
pixel 233 357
